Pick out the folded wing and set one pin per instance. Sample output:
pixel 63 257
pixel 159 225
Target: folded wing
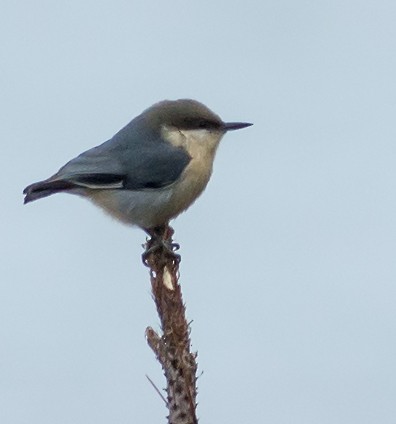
pixel 116 165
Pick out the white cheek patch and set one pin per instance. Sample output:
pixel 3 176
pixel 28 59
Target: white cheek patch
pixel 200 135
pixel 197 142
pixel 181 137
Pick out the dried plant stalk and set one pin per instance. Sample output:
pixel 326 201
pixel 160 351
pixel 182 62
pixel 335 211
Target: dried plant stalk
pixel 172 349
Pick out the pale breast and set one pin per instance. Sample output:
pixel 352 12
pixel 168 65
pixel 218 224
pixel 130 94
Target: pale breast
pixel 201 145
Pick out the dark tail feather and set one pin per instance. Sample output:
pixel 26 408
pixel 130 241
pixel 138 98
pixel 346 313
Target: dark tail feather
pixel 45 188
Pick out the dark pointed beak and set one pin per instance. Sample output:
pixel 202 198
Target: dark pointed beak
pixel 231 126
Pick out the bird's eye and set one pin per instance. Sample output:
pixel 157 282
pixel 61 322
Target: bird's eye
pixel 202 124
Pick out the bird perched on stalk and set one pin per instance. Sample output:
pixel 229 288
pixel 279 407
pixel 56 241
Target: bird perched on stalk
pixel 151 170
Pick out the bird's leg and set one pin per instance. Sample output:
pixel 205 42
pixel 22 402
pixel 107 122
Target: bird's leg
pixel 161 240
pixel 161 237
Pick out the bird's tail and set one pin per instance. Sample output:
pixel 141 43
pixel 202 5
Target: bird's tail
pixel 45 188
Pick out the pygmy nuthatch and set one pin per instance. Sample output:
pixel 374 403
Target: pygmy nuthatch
pixel 151 170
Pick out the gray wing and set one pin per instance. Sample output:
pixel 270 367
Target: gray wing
pixel 120 163
pixel 153 164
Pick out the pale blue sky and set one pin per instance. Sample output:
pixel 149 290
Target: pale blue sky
pixel 288 267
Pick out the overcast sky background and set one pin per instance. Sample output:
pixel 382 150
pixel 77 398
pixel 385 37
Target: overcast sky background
pixel 288 266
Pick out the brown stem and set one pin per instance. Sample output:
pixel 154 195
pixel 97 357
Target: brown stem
pixel 172 349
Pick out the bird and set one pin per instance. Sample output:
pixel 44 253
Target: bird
pixel 150 171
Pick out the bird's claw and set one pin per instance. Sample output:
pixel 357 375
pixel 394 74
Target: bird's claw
pixel 168 249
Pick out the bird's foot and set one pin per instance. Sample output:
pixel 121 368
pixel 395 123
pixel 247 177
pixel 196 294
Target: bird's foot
pixel 161 244
pixel 161 247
